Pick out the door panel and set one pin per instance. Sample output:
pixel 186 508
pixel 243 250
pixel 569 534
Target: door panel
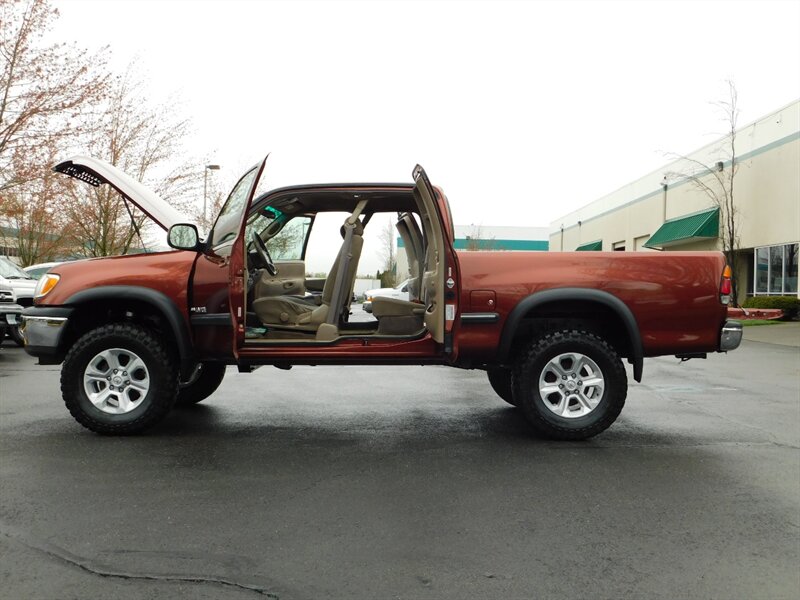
pixel 433 262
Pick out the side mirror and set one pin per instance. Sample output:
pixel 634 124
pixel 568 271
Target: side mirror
pixel 183 236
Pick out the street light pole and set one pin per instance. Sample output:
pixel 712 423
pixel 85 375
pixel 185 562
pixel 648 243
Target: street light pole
pixel 205 187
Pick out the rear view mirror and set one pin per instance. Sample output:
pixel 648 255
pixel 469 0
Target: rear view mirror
pixel 183 236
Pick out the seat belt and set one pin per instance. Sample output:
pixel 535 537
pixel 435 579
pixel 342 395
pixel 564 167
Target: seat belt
pixel 332 318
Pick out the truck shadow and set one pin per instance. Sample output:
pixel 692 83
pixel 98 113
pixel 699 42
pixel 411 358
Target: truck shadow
pixel 504 426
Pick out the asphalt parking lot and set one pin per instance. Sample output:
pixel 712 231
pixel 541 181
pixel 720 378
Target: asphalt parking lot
pixel 410 482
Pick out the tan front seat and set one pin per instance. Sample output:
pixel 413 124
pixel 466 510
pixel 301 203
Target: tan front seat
pixel 293 312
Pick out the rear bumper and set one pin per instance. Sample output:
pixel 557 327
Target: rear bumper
pixel 731 336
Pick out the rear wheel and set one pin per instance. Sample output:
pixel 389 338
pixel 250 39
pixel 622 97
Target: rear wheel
pixel 571 385
pixel 500 380
pixel 119 379
pixel 203 385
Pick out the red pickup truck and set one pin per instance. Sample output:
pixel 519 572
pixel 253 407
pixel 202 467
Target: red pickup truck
pixel 138 334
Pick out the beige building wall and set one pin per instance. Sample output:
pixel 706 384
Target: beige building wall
pixel 766 195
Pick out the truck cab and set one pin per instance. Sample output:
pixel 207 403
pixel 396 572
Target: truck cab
pixel 250 297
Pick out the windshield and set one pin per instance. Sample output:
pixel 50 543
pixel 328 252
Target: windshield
pixel 11 271
pixel 285 235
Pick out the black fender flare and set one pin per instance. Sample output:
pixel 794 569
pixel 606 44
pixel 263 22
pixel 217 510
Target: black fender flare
pixel 158 300
pixel 531 302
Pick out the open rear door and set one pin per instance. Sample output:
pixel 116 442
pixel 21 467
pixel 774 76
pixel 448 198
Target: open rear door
pixel 438 281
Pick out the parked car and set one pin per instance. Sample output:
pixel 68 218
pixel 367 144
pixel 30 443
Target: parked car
pixel 400 292
pixel 138 334
pixel 36 271
pixel 10 311
pixel 23 285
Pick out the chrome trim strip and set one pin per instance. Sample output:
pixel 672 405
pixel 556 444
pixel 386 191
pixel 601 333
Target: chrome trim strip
pixel 478 318
pixel 52 321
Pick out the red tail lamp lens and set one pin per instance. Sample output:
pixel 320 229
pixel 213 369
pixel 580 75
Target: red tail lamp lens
pixel 725 284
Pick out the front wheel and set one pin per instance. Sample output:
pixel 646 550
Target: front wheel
pixel 119 379
pixel 571 385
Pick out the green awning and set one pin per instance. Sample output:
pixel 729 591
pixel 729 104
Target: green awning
pixel 590 247
pixel 699 226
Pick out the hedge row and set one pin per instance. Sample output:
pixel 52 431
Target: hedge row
pixel 789 304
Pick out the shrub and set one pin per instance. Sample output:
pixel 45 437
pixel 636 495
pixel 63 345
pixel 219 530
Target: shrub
pixel 790 305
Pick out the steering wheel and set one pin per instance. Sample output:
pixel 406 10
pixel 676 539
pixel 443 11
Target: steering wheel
pixel 263 254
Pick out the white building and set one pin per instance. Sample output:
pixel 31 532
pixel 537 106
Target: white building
pixel 662 211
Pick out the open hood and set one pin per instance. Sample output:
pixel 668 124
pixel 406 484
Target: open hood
pixel 96 172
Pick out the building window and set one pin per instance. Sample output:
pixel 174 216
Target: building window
pixel 790 268
pixel 775 270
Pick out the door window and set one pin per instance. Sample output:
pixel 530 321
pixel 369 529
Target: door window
pixel 230 217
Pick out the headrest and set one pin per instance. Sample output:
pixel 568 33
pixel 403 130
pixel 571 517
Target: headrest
pixel 359 229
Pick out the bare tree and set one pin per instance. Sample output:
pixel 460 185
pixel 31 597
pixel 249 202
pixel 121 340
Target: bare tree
pixel 477 241
pixel 37 221
pixel 216 198
pixel 717 181
pixel 145 141
pixel 387 253
pixel 44 89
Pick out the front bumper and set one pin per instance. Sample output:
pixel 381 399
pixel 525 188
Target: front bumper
pixel 42 330
pixel 10 314
pixel 731 336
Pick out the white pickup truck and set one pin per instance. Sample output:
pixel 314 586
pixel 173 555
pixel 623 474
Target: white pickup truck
pixel 400 291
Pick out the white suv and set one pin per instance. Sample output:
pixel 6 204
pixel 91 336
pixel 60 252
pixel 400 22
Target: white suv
pixel 21 285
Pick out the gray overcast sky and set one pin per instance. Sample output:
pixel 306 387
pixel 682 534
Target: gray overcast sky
pixel 520 111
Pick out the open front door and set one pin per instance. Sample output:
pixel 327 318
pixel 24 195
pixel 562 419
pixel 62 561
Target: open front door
pixel 216 294
pixel 236 266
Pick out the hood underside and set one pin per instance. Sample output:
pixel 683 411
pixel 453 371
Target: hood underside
pixel 97 172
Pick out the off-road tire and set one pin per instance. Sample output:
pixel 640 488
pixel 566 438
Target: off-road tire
pixel 207 382
pixel 500 380
pixel 530 365
pixel 161 365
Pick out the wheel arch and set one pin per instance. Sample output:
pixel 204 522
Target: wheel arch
pixel 555 304
pixel 123 298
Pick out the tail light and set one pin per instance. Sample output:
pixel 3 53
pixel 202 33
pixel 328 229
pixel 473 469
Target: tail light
pixel 725 286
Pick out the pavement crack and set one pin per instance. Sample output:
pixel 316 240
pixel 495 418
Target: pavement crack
pixel 89 566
